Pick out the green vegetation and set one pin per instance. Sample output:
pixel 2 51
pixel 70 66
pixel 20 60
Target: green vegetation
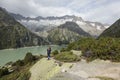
pixel 15 35
pixel 104 78
pixel 63 50
pixel 21 73
pixel 62 36
pixel 21 68
pixel 18 63
pixel 112 31
pixel 3 72
pixel 66 33
pixel 28 58
pixel 55 52
pixel 102 48
pixel 67 57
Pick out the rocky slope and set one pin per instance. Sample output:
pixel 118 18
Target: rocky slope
pixel 112 31
pixel 46 23
pixel 62 36
pixel 82 70
pixel 66 33
pixel 13 34
pixel 72 26
pixel 95 70
pixel 45 69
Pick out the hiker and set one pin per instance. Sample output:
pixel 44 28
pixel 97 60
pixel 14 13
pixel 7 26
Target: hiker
pixel 48 52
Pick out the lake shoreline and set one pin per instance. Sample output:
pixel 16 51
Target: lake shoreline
pixel 8 55
pixel 32 46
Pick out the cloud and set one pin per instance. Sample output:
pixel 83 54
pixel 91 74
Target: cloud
pixel 105 11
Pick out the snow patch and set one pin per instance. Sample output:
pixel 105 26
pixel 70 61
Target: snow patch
pixel 99 28
pixel 93 24
pixel 80 22
pixel 106 26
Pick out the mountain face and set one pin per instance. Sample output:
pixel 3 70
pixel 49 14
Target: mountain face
pixel 72 26
pixel 39 23
pixel 13 34
pixel 66 33
pixel 112 31
pixel 62 36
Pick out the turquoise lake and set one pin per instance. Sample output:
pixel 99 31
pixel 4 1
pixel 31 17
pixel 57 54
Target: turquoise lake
pixel 8 55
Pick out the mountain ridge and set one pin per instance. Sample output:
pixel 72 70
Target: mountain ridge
pixel 14 35
pixel 47 23
pixel 72 26
pixel 112 31
pixel 66 33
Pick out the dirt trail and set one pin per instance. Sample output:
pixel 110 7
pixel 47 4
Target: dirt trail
pixel 49 70
pixel 96 68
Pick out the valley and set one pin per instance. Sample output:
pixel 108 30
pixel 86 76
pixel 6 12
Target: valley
pixel 79 49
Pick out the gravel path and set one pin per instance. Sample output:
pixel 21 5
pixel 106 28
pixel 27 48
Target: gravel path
pixel 50 70
pixel 96 68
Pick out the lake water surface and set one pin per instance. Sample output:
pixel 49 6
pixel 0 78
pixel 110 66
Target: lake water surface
pixel 8 55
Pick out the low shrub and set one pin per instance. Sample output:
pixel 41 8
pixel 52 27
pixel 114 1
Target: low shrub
pixel 55 52
pixel 28 58
pixel 104 78
pixel 21 68
pixel 103 48
pixel 18 63
pixel 4 72
pixel 23 74
pixel 63 50
pixel 67 57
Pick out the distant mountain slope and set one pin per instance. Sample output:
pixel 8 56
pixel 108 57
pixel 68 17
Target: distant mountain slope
pixel 112 31
pixel 66 33
pixel 40 23
pixel 72 26
pixel 13 34
pixel 62 36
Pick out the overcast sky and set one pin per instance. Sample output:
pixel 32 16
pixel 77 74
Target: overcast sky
pixel 105 11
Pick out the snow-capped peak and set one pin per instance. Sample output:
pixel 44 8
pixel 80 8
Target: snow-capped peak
pixel 46 23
